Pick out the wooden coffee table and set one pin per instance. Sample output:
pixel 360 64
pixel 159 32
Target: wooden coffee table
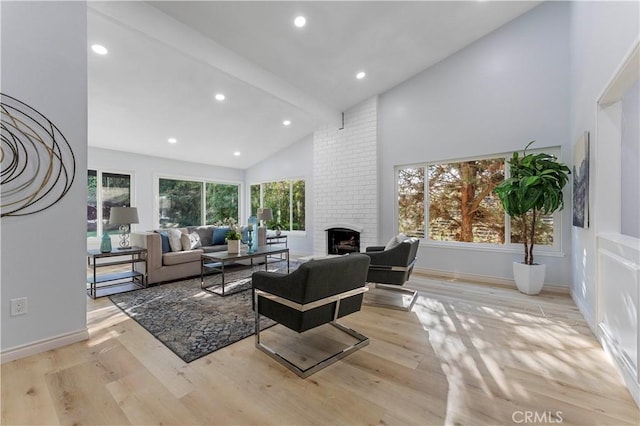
pixel 217 261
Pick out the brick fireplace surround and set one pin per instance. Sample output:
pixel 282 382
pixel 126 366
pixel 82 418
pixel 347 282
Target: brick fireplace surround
pixel 345 183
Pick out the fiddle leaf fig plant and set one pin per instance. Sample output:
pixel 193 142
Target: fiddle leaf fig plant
pixel 533 189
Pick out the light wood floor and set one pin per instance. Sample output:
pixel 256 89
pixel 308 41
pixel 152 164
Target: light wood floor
pixel 466 354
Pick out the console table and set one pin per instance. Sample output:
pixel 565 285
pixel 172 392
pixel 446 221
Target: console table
pixel 217 261
pixel 105 284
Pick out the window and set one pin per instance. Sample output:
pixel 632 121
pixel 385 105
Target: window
pixel 454 202
pixel 105 190
pixel 222 202
pixel 462 206
pixel 193 203
pixel 286 199
pixel 180 203
pixel 411 201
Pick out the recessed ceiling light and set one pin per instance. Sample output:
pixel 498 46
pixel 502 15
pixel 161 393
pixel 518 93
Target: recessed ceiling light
pixel 286 122
pixel 361 75
pixel 220 97
pixel 99 49
pixel 300 21
pixel 237 153
pixel 172 140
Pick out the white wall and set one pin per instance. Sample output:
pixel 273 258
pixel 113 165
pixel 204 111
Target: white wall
pixel 145 169
pixel 44 64
pixel 494 96
pixel 630 161
pixel 601 35
pixel 293 162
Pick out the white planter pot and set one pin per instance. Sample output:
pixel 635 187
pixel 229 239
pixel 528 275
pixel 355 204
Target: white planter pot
pixel 233 246
pixel 529 278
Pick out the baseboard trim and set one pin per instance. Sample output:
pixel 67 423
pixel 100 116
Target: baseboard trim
pixel 582 307
pixel 43 345
pixel 624 365
pixel 483 279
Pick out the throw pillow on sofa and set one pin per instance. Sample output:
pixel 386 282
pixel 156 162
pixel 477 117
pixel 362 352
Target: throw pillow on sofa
pixel 194 241
pixel 175 241
pixel 164 237
pixel 190 241
pixel 219 236
pixel 395 241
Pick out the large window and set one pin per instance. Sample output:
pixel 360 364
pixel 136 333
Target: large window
pixel 105 190
pixel 192 203
pixel 286 199
pixel 454 202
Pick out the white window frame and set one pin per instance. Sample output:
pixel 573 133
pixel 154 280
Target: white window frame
pixel 203 195
pixel 290 180
pixel 550 250
pixel 99 172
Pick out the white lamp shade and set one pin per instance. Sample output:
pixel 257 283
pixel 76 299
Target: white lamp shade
pixel 265 214
pixel 123 215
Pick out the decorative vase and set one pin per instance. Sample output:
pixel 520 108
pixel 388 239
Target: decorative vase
pixel 278 232
pixel 253 234
pixel 105 243
pixel 529 278
pixel 233 246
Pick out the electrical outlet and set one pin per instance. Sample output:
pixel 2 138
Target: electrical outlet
pixel 18 306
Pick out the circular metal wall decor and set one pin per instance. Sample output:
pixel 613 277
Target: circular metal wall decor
pixel 37 165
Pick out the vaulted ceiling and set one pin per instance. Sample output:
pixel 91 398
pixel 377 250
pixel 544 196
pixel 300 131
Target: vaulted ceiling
pixel 166 62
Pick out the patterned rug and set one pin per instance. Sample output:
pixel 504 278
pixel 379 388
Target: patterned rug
pixel 191 322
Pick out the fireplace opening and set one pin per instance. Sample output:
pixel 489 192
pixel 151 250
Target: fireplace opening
pixel 342 241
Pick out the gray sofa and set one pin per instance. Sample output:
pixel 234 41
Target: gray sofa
pixel 175 265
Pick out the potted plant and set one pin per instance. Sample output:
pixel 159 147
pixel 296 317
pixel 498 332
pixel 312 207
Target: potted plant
pixel 278 229
pixel 533 189
pixel 233 240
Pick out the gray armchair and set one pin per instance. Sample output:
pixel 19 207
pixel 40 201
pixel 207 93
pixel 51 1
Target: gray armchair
pixel 389 270
pixel 318 292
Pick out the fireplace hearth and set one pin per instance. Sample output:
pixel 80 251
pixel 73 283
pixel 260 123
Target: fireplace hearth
pixel 342 241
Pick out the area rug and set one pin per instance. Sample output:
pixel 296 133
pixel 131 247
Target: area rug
pixel 191 322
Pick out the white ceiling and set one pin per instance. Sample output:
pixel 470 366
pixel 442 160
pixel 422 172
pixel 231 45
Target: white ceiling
pixel 167 60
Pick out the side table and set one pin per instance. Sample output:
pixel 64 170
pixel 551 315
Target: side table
pixel 277 239
pixel 105 284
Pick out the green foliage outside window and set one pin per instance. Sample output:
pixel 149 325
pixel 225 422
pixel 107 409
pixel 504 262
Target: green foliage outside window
pixel 180 203
pixel 461 204
pixel 92 203
pixel 222 201
pixel 114 190
pixel 411 201
pixel 298 206
pixel 286 199
pixel 255 199
pixel 277 197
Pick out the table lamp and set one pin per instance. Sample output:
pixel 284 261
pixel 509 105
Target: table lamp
pixel 264 215
pixel 123 216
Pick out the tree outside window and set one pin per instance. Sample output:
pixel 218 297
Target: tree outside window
pixel 222 202
pixel 277 197
pixel 462 206
pixel 298 206
pixel 255 199
pixel 286 199
pixel 411 201
pixel 105 190
pixel 460 203
pixel 180 203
